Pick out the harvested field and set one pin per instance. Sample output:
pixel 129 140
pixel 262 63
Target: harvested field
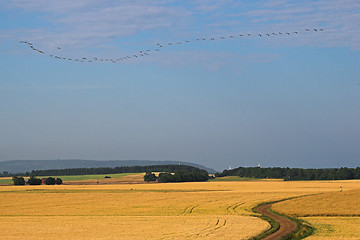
pixel 120 178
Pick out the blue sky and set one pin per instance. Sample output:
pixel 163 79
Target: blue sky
pixel 285 100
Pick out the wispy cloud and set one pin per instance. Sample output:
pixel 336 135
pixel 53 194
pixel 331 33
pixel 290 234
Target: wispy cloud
pixel 82 23
pixel 339 18
pixel 89 27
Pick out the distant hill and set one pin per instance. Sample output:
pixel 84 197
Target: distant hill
pixel 22 166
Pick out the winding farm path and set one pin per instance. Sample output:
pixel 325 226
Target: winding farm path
pixel 286 225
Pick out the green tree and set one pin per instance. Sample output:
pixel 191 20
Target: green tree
pixel 50 181
pixel 357 173
pixel 58 181
pixel 18 180
pixel 166 177
pixel 150 177
pixel 34 181
pixel 344 173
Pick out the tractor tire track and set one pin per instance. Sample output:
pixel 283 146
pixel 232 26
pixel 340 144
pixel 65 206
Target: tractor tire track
pixel 189 209
pixel 232 208
pixel 204 232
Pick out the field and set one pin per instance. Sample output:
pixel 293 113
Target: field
pixel 207 210
pixel 335 215
pixel 90 179
pixel 335 228
pixel 231 178
pixel 344 203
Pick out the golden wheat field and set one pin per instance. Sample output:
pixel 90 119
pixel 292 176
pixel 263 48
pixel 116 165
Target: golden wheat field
pixel 335 215
pixel 335 228
pixel 344 203
pixel 207 210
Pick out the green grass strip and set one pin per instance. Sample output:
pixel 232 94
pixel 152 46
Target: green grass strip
pixel 70 178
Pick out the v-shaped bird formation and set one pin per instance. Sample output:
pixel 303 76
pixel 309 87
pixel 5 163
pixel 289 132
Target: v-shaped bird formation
pixel 159 46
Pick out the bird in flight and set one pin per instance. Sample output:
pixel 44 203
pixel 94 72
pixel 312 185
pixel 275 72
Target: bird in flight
pixel 159 45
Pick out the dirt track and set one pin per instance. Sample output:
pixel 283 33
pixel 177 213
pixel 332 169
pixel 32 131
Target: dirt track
pixel 286 226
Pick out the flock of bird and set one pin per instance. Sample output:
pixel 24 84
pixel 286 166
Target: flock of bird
pixel 158 47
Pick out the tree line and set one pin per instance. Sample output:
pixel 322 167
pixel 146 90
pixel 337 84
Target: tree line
pixel 9 174
pixel 19 180
pixel 289 174
pixel 180 176
pixel 105 170
pixel 108 170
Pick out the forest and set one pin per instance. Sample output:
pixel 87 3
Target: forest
pixel 289 174
pixel 107 170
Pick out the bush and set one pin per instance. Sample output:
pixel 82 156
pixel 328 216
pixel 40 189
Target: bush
pixel 58 181
pixel 50 181
pixel 18 180
pixel 34 181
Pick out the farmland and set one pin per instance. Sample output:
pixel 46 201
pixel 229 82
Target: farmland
pixel 206 210
pixel 335 228
pixel 335 215
pixel 344 203
pixel 122 177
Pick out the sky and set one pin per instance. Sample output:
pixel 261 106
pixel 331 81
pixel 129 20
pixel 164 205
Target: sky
pixel 288 100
